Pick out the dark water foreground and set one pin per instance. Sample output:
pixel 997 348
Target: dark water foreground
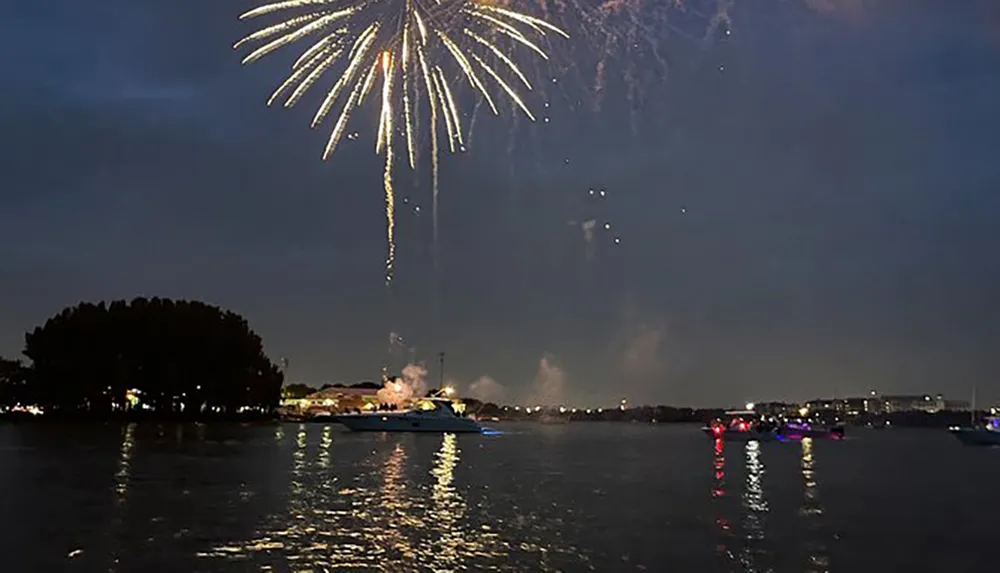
pixel 578 497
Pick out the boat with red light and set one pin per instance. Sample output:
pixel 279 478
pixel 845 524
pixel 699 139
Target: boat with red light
pixel 741 426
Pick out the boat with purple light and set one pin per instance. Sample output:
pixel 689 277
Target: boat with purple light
pixel 985 434
pixel 799 430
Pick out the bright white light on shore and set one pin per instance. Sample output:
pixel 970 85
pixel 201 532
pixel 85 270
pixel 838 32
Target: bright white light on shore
pixel 803 411
pixel 397 387
pixel 562 409
pixel 448 390
pixel 750 405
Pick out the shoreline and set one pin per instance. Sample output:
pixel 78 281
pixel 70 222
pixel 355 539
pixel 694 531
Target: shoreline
pixel 902 420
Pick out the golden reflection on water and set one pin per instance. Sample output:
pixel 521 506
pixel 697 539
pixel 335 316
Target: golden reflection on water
pixel 324 447
pixel 382 520
pixel 122 480
pixel 448 507
pixel 810 506
pixel 812 511
pixel 124 473
pixel 754 506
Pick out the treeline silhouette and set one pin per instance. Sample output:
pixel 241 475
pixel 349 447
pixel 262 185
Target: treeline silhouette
pixel 155 356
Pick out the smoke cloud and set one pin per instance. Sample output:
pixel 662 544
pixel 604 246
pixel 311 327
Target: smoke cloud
pixel 642 351
pixel 487 389
pixel 641 357
pixel 412 384
pixel 550 384
pixel 588 227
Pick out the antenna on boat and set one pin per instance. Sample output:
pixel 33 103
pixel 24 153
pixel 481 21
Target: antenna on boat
pixel 441 372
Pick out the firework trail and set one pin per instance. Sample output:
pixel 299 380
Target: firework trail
pixel 417 49
pixel 621 45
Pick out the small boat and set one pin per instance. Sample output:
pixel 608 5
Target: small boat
pixel 800 430
pixel 440 415
pixel 732 435
pixel 741 426
pixel 987 434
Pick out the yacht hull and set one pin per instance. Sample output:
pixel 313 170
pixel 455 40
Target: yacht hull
pixel 812 433
pixel 976 437
pixel 390 422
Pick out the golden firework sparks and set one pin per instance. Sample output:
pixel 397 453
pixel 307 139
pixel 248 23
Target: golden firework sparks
pixel 408 46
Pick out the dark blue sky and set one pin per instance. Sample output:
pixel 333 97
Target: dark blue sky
pixel 807 205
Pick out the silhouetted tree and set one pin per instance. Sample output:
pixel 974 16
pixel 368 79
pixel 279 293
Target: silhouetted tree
pixel 179 356
pixel 13 379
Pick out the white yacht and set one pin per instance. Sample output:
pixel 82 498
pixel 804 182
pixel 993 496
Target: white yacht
pixel 441 415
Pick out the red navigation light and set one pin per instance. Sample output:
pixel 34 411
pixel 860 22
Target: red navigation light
pixel 743 426
pixel 717 430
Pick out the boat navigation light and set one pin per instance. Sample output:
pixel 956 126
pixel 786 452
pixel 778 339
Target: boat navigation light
pixel 750 405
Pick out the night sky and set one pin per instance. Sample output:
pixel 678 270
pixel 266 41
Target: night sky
pixel 808 205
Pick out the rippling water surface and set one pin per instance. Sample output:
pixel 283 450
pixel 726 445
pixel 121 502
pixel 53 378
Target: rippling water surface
pixel 577 497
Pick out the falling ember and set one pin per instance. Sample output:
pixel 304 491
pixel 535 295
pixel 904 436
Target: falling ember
pixel 385 128
pixel 390 216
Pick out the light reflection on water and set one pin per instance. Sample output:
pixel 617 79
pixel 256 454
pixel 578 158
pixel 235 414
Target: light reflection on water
pixel 753 549
pixel 754 507
pixel 812 511
pixel 122 480
pixel 123 475
pixel 385 518
pixel 233 498
pixel 718 497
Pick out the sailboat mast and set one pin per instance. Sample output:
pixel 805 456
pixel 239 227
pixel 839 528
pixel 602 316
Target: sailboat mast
pixel 973 413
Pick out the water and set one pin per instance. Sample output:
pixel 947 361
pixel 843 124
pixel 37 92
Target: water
pixel 577 497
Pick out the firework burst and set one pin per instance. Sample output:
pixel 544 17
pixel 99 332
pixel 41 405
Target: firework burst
pixel 418 51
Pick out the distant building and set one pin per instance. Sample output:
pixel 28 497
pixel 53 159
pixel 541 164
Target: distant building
pixel 779 409
pixel 823 404
pixel 847 407
pixel 957 405
pixel 336 398
pixel 914 403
